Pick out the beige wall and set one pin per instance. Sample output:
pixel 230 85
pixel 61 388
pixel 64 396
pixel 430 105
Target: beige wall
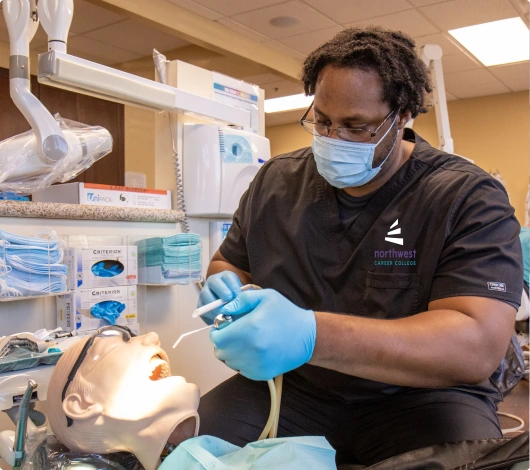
pixel 491 130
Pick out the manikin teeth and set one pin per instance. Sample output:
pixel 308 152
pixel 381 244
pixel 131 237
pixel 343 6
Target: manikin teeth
pixel 159 368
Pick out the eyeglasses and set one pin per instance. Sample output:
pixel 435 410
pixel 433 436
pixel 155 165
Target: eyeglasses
pixel 345 133
pixel 105 332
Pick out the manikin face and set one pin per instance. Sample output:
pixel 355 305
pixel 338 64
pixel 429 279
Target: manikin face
pixel 123 398
pixel 133 381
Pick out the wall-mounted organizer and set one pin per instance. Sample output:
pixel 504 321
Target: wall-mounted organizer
pixel 32 266
pixel 103 285
pixel 170 260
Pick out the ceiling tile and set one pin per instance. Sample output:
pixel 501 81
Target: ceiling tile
pixel 136 37
pixel 88 17
pixel 309 19
pixel 348 11
pixel 410 22
pixel 262 78
pixel 308 42
pixel 239 28
pixel 444 40
pixel 470 90
pixel 40 49
pixel 196 8
pixel 96 51
pixel 282 88
pixel 473 83
pixel 517 85
pixel 471 76
pixel 278 119
pixel 511 72
pixel 286 50
pixel 459 62
pixel 460 13
pixel 40 38
pixel 234 7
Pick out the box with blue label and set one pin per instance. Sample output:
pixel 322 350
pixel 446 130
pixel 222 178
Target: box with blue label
pixel 90 309
pixel 102 266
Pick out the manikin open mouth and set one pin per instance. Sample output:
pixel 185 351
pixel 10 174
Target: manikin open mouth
pixel 159 368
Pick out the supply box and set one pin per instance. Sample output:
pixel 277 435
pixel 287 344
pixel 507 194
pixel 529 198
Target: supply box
pixel 102 266
pixel 74 309
pixel 105 195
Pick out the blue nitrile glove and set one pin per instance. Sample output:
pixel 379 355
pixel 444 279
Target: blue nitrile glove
pixel 225 285
pixel 273 337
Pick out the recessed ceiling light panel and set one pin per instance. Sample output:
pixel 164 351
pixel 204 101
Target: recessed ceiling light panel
pixel 287 103
pixel 496 43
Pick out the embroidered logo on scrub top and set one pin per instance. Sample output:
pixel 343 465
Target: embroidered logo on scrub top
pixel 397 231
pixel 391 256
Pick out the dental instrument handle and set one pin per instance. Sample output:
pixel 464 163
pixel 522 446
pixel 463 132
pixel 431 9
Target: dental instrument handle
pixel 219 302
pixel 207 308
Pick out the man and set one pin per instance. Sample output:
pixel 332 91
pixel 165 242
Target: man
pixel 391 272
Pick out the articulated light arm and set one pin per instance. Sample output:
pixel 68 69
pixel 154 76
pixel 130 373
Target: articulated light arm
pixel 431 54
pixel 22 23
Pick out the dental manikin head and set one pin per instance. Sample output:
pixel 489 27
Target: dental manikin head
pixel 120 396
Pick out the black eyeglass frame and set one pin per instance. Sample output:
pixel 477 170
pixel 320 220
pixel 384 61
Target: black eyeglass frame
pixel 338 129
pixel 126 335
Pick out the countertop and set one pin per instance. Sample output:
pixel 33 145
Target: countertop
pixel 52 210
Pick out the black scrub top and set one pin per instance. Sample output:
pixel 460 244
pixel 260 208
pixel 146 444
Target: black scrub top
pixel 440 227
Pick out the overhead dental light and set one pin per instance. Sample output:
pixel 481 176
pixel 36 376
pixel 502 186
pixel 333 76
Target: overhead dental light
pixel 287 103
pixel 496 43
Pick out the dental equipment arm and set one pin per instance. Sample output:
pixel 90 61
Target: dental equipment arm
pixel 55 150
pixel 22 24
pixel 431 54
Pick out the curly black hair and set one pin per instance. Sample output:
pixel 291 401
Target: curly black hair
pixel 389 53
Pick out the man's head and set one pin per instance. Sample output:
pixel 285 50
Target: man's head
pixel 122 397
pixel 369 79
pixel 390 55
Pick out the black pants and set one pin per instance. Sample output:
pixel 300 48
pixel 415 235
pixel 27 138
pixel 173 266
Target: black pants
pixel 366 433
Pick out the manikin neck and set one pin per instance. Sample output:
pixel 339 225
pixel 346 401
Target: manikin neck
pixel 149 445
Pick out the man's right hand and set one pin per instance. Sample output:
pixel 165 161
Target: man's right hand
pixel 224 285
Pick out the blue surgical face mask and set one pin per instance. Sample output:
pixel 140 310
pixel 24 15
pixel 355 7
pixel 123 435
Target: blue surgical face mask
pixel 345 164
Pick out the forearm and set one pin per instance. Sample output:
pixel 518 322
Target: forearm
pixel 436 348
pixel 219 264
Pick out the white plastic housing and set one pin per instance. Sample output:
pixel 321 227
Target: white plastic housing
pixel 56 18
pixel 218 165
pixel 28 162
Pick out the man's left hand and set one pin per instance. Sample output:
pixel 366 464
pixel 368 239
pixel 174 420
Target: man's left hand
pixel 272 335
